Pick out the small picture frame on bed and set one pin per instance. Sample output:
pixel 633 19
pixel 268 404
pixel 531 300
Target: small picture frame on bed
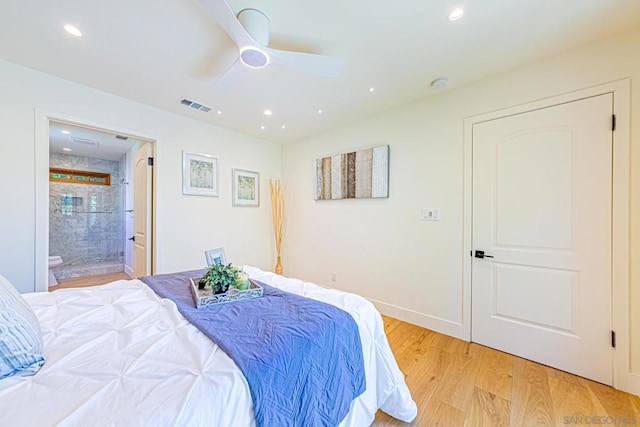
pixel 246 188
pixel 215 256
pixel 199 174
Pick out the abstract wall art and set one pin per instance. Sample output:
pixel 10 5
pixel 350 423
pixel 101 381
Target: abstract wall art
pixel 362 174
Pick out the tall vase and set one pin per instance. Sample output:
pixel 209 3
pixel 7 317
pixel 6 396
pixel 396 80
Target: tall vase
pixel 278 268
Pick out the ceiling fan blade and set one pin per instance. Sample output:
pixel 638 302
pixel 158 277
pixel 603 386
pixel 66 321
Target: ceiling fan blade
pixel 222 13
pixel 327 66
pixel 229 79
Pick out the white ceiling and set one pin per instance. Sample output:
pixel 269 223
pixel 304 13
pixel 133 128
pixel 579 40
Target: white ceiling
pixel 108 146
pixel 158 51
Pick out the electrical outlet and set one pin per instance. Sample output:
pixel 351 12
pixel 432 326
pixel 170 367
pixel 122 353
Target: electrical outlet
pixel 333 276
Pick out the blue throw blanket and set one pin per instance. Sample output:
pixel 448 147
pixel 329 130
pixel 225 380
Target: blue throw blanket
pixel 302 358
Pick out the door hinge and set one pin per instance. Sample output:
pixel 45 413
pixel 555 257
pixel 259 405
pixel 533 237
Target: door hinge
pixel 613 122
pixel 150 161
pixel 613 339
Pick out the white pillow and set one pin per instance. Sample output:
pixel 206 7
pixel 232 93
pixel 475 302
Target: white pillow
pixel 20 335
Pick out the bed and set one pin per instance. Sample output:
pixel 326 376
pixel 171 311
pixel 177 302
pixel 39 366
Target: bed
pixel 118 354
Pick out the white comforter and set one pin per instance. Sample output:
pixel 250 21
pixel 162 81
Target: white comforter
pixel 119 355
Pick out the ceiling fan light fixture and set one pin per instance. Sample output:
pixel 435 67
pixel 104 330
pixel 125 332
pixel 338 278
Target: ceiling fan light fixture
pixel 253 57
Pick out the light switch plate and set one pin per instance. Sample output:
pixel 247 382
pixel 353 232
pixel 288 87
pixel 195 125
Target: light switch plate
pixel 431 214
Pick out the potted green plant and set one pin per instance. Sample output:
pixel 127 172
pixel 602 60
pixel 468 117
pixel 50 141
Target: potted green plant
pixel 219 277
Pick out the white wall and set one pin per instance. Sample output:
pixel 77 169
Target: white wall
pixel 380 248
pixel 185 225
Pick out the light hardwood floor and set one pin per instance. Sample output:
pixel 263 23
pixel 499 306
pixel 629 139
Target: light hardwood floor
pixel 81 282
pixel 456 383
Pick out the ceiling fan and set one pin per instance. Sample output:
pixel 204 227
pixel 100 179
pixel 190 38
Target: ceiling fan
pixel 250 32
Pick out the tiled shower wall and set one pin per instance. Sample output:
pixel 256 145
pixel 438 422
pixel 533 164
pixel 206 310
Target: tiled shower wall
pixel 89 236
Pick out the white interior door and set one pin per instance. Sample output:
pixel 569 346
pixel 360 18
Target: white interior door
pixel 542 206
pixel 142 181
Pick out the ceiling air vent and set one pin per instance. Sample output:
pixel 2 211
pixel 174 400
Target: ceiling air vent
pixel 84 141
pixel 122 137
pixel 188 103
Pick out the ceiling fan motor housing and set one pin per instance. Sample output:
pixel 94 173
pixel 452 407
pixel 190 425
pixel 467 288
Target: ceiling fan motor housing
pixel 256 24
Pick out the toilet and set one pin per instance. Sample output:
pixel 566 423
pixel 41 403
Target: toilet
pixel 54 261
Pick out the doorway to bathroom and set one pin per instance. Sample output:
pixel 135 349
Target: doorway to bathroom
pixel 93 186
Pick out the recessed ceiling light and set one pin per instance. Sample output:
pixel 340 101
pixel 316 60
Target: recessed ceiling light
pixel 66 132
pixel 456 14
pixel 219 112
pixel 73 30
pixel 371 89
pixel 262 127
pixel 67 149
pixel 319 111
pixel 283 126
pixel 268 112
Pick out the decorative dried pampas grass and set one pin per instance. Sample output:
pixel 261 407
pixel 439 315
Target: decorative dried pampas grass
pixel 277 216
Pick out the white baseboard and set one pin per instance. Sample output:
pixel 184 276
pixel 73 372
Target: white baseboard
pixel 129 271
pixel 634 384
pixel 443 326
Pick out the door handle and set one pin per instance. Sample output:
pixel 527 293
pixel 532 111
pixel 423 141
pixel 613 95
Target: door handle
pixel 481 255
pixel 132 238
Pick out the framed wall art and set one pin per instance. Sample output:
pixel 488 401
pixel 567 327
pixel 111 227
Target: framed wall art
pixel 199 174
pixel 246 188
